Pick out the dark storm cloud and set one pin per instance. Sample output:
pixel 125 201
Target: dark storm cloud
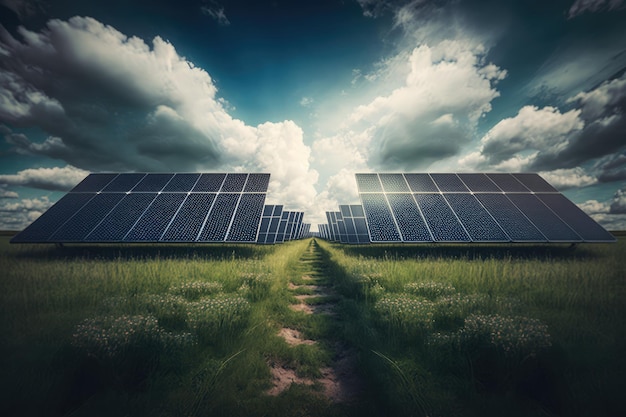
pixel 101 97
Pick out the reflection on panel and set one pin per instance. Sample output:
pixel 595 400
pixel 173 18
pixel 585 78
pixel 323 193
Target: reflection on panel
pixel 514 223
pixel 477 221
pixel 394 183
pixel 479 183
pixel 550 225
pixel 577 219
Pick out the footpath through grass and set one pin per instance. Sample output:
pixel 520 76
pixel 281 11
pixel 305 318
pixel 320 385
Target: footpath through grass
pixel 187 330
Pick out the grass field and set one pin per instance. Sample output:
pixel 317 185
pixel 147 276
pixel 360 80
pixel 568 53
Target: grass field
pixel 445 330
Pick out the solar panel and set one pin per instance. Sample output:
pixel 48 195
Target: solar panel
pixel 159 207
pixel 270 220
pixel 471 207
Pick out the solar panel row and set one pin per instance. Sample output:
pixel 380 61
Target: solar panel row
pixel 155 208
pixel 472 208
pixel 268 230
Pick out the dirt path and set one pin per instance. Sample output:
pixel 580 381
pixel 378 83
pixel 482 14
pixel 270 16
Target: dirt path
pixel 314 295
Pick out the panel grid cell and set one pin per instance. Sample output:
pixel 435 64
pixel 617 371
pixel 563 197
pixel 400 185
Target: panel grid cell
pixel 535 183
pixel 510 218
pixel 449 183
pixel 409 220
pixel 123 183
pixel 382 227
pixel 182 183
pixel 246 220
pixel 257 183
pixel 93 183
pixel 368 183
pixel 42 228
pixel 421 183
pixel 210 183
pixel 508 183
pixel 186 225
pixel 219 219
pixel 442 222
pixel 234 183
pixel 393 183
pixel 153 182
pixel 479 183
pixel 477 221
pixel 117 223
pixel 549 223
pixel 88 217
pixel 152 224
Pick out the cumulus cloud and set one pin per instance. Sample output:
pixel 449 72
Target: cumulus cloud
pixel 618 205
pixel 4 193
pixel 610 214
pixel 112 102
pixel 563 179
pixel 53 179
pixel 582 6
pixel 446 89
pixel 19 214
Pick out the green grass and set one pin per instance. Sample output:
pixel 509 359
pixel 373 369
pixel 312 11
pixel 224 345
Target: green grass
pixel 189 329
pixel 489 330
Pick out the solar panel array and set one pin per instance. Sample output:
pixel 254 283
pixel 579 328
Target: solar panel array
pixel 420 207
pixel 270 222
pixel 355 224
pixel 164 207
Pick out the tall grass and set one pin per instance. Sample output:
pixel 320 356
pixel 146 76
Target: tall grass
pixel 527 330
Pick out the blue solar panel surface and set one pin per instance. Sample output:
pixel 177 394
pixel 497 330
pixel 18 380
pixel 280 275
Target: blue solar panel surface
pixel 471 207
pixel 155 207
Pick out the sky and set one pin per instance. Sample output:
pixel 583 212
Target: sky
pixel 312 91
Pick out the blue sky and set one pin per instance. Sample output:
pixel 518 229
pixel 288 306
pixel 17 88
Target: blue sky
pixel 312 92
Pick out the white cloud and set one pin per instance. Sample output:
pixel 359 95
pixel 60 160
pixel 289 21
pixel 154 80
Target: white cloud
pixel 618 205
pixel 306 101
pixel 215 10
pixel 4 193
pixel 563 179
pixel 17 215
pixel 110 102
pixel 581 6
pixel 55 179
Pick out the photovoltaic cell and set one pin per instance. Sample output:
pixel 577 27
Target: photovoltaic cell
pixel 449 183
pixel 234 183
pixel 246 221
pixel 117 223
pixel 381 224
pixel 93 183
pixel 508 183
pixel 152 224
pixel 575 218
pixel 440 219
pixel 153 182
pixel 357 210
pixel 512 220
pixel 42 228
pixel 123 183
pixel 549 223
pixel 393 183
pixel 479 183
pixel 217 223
pixel 535 183
pixel 410 221
pixel 83 222
pixel 421 183
pixel 187 223
pixel 257 183
pixel 477 221
pixel 181 183
pixel 210 183
pixel 368 183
